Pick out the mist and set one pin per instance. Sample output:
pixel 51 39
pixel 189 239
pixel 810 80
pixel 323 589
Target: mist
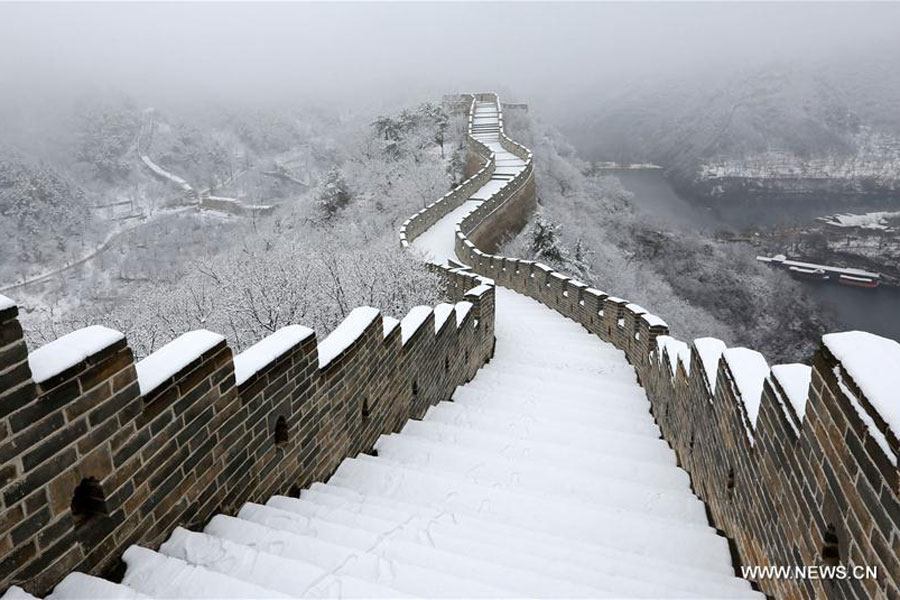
pixel 138 139
pixel 549 54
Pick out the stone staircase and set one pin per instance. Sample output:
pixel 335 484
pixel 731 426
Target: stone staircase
pixel 538 481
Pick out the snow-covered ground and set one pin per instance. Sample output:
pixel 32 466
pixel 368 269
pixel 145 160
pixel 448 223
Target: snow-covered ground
pixel 544 477
pixel 871 220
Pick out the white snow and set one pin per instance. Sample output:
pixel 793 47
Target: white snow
pixel 160 576
pixel 78 586
pixel 350 330
pixel 710 351
pixel 872 220
pixel 676 350
pixel 165 174
pixel 865 417
pixel 653 321
pixel 439 242
pixel 462 309
pixel 389 324
pixel 6 303
pixel 749 369
pixel 249 362
pixel 69 350
pixel 871 362
pixel 413 320
pixel 480 289
pixel 173 357
pixel 441 313
pixel 794 380
pixel 16 593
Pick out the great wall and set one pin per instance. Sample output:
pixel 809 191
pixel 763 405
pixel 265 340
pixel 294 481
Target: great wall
pixel 545 475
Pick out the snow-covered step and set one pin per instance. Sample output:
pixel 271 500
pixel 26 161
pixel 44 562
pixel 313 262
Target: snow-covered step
pixel 620 497
pixel 612 401
pixel 429 438
pixel 512 383
pixel 523 426
pixel 626 575
pixel 79 586
pixel 291 576
pixel 160 576
pixel 634 447
pixel 303 552
pixel 352 549
pixel 391 546
pixel 597 420
pixel 512 446
pixel 601 551
pixel 525 477
pixel 577 367
pixel 687 543
pixel 594 414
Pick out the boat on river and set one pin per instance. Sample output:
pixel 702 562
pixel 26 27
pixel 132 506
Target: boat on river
pixel 865 282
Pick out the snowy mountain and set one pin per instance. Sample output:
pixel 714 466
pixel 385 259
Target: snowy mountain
pixel 779 130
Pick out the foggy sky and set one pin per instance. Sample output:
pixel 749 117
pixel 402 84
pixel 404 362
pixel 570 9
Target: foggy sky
pixel 348 52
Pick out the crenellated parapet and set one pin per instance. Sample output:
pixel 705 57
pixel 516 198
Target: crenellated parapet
pixel 797 463
pixel 100 451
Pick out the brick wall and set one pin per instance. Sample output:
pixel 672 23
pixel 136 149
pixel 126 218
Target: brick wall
pixel 102 454
pixel 810 489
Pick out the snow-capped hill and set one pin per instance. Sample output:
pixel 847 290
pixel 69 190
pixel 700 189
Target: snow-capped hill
pixel 773 130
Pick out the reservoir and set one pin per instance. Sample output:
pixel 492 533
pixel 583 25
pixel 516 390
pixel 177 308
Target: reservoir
pixel 876 311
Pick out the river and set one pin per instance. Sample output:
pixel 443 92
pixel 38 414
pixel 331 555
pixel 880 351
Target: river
pixel 876 311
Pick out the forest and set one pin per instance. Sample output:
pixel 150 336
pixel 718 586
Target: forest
pixel 338 192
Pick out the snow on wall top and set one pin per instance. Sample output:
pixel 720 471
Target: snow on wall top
pixel 871 361
pixel 635 308
pixel 441 312
pixel 462 309
pixel 174 356
pixel 346 333
pixel 412 321
pixel 710 351
pixel 17 593
pixel 749 369
pixel 389 324
pixel 69 350
pixel 653 321
pixel 676 349
pixel 480 289
pixel 249 362
pixel 6 303
pixel 794 380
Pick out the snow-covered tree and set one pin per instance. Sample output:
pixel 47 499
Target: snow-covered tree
pixel 333 193
pixel 545 240
pixel 106 131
